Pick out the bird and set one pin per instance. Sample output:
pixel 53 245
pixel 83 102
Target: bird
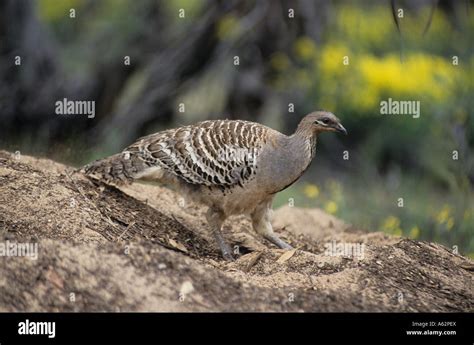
pixel 231 166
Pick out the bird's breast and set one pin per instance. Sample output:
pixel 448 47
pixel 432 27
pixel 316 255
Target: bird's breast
pixel 278 169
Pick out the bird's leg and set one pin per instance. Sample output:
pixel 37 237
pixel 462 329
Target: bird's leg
pixel 215 220
pixel 261 224
pixel 277 241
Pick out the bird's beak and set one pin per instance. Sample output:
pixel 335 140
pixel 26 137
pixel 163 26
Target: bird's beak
pixel 340 128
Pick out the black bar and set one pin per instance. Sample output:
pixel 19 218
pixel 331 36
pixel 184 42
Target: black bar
pixel 239 328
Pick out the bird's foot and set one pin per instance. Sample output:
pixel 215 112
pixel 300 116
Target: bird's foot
pixel 278 241
pixel 228 256
pixel 224 247
pixel 226 252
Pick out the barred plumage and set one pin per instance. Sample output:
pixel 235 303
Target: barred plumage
pixel 232 166
pixel 196 154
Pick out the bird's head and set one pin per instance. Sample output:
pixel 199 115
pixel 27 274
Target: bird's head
pixel 321 121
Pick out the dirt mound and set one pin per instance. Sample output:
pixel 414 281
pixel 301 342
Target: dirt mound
pixel 144 248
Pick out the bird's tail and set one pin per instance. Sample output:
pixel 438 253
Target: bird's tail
pixel 119 168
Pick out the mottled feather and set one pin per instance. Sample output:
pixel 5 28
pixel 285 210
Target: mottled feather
pixel 217 153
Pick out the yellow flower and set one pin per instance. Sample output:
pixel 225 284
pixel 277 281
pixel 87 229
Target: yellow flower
pixel 443 215
pixel 330 60
pixel 420 74
pixel 54 10
pixel 391 223
pixel 415 232
pixel 450 223
pixel 331 207
pixel 305 48
pixel 311 191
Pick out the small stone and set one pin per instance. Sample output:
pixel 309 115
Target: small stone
pixel 186 288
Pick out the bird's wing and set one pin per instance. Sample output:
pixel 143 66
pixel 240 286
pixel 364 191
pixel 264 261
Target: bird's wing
pixel 220 153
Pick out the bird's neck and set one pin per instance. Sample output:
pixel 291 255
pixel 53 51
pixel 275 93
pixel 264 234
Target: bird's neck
pixel 300 150
pixel 290 161
pixel 304 142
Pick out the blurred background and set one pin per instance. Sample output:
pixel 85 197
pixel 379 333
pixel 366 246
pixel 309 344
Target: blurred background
pixel 151 65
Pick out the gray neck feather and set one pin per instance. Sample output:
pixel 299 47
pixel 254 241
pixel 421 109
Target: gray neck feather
pixel 304 145
pixel 292 159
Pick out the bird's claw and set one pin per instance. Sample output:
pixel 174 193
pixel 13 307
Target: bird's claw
pixel 228 256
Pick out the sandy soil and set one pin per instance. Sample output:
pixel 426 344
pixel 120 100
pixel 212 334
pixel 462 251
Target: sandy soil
pixel 143 248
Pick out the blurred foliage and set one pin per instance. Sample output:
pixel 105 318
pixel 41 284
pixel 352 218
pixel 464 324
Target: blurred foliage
pixel 53 10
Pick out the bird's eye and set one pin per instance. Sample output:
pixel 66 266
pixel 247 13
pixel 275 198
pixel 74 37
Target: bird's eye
pixel 324 122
